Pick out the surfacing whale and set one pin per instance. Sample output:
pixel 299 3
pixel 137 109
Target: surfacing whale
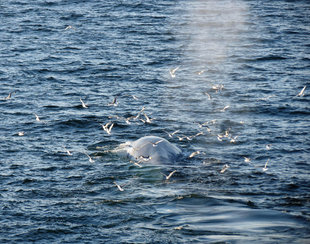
pixel 152 150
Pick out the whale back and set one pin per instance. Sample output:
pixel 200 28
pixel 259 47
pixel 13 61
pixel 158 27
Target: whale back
pixel 154 149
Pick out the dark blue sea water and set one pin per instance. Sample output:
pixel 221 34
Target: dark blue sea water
pixel 241 65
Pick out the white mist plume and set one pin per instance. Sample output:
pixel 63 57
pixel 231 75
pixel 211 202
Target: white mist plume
pixel 213 28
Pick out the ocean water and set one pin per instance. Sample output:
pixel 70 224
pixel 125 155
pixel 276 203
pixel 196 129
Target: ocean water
pixel 240 66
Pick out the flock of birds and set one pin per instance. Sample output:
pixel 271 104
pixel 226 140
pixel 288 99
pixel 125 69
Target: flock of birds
pixel 143 117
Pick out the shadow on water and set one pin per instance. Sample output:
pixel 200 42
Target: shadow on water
pixel 212 219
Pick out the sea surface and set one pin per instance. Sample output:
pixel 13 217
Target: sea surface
pixel 227 76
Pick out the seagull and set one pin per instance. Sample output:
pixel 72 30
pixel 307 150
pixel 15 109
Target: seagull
pixel 127 120
pixel 200 125
pixel 212 121
pixel 130 95
pixel 218 87
pixel 141 111
pixel 226 107
pixel 110 128
pixel 21 133
pixel 68 152
pixel 37 118
pixel 268 146
pixel 118 186
pixel 114 102
pixel 83 104
pixel 219 137
pixel 172 71
pixel 194 154
pixel 157 142
pixel 106 127
pixel 189 138
pixel 90 159
pixel 301 93
pixel 178 227
pixel 169 176
pixel 203 124
pixel 135 163
pixel 233 139
pixel 226 166
pixel 265 168
pixel 69 27
pixel 209 97
pixel 181 138
pixel 171 134
pixel 134 97
pixel 198 134
pixel 9 96
pixel 148 120
pixel 200 72
pixel 247 160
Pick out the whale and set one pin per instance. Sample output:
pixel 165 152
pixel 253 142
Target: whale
pixel 151 150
